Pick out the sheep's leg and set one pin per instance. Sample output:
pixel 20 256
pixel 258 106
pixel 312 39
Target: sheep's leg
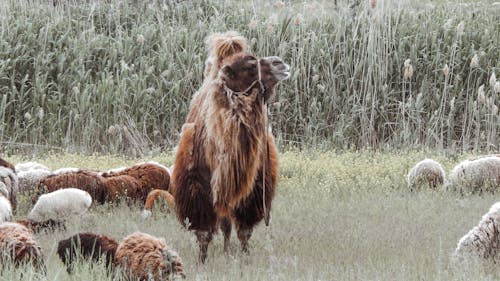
pixel 225 226
pixel 204 238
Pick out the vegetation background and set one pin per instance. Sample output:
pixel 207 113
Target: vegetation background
pixel 376 87
pixel 108 76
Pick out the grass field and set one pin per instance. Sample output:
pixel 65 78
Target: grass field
pixel 110 78
pixel 336 216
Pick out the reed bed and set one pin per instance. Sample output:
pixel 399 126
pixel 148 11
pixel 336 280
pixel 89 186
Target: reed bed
pixel 112 76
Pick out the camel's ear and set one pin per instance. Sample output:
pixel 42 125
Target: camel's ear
pixel 222 45
pixel 228 73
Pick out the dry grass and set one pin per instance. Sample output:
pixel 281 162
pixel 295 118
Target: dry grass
pixel 337 216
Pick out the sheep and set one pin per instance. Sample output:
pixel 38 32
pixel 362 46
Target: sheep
pixel 121 186
pixel 425 173
pixel 11 182
pixel 48 225
pixel 6 164
pixel 19 246
pixel 30 178
pixel 60 204
pixel 475 176
pixel 85 180
pixel 4 191
pixel 28 166
pixel 90 246
pixel 5 210
pixel 151 176
pixel 145 257
pixel 66 170
pixel 153 196
pixel 482 242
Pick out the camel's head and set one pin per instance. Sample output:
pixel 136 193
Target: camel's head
pixel 240 72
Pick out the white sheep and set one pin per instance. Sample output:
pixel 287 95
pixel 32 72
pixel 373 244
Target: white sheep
pixel 28 179
pixel 482 241
pixel 5 210
pixel 425 173
pixel 11 182
pixel 475 176
pixel 60 204
pixel 65 170
pixel 27 166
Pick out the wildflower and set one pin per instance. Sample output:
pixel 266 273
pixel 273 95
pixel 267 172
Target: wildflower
pixel 321 88
pixel 446 70
pixel 279 4
pixel 496 89
pixel 460 28
pixel 150 90
pixel 252 24
pixel 447 25
pixel 494 109
pixel 474 62
pixel 408 70
pixel 150 70
pixel 480 94
pixel 140 39
pixel 112 130
pixel 124 65
pixel 373 4
pixel 75 90
pixel 40 113
pixel 315 78
pixel 297 20
pixel 493 80
pixel 27 116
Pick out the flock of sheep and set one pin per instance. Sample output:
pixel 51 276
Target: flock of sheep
pixel 477 175
pixel 58 195
pixel 61 194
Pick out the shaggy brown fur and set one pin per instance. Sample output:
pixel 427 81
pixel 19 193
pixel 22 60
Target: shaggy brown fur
pixel 149 175
pixel 156 194
pixel 142 255
pixel 48 225
pixel 121 186
pixel 223 148
pixel 19 246
pixel 90 246
pixel 6 164
pixel 84 180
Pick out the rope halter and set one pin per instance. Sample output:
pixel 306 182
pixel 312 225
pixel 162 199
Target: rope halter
pixel 246 92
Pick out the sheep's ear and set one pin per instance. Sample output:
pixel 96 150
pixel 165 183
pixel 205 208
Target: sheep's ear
pixel 222 45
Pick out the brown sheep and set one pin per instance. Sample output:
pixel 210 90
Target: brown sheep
pixel 19 246
pixel 47 225
pixel 6 164
pixel 121 186
pixel 150 176
pixel 90 246
pixel 145 257
pixel 227 162
pixel 153 196
pixel 85 180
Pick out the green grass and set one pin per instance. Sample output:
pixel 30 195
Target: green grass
pixel 71 72
pixel 336 216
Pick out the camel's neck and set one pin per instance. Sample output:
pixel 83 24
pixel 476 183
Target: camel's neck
pixel 237 133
